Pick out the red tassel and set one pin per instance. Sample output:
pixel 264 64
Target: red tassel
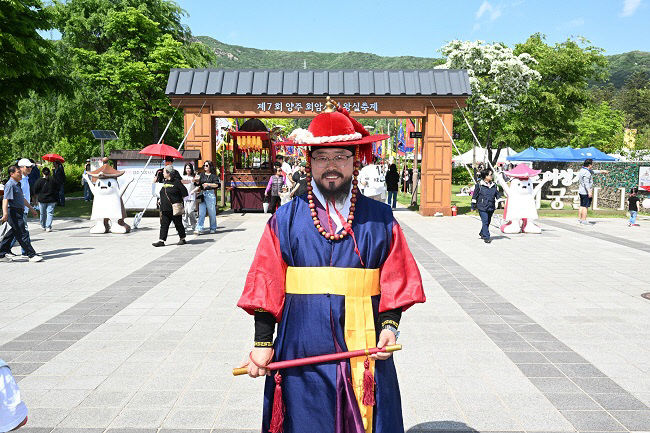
pixel 368 385
pixel 277 415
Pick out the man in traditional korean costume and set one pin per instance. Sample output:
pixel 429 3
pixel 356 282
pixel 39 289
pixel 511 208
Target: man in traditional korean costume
pixel 333 270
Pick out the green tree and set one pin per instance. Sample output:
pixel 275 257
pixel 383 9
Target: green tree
pixel 118 54
pixel 26 59
pixel 599 126
pixel 499 78
pixel 634 100
pixel 548 111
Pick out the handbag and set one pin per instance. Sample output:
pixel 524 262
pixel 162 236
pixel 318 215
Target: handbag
pixel 177 208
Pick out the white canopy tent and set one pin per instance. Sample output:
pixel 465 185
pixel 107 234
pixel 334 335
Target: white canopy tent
pixel 481 156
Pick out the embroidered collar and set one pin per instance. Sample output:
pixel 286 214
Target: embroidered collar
pixel 489 185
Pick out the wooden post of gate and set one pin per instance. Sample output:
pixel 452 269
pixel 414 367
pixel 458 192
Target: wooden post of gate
pixel 436 162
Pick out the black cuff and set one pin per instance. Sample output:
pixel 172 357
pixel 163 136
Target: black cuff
pixel 390 317
pixel 264 328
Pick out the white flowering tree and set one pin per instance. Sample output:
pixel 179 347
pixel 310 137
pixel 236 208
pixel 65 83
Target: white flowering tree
pixel 498 79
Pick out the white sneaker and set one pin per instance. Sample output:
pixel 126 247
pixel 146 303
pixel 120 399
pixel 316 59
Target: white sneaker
pixel 49 229
pixel 5 259
pixel 36 259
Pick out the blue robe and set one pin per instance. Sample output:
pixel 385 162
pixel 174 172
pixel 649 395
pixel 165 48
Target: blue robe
pixel 321 396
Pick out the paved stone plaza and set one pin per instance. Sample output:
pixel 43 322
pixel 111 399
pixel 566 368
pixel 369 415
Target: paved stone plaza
pixel 532 333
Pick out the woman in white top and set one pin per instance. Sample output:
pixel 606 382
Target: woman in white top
pixel 189 216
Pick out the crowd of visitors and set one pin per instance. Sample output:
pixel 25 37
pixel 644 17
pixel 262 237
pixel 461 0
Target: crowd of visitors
pixel 379 181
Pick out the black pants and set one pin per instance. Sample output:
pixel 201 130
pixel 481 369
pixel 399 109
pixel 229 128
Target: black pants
pixel 18 231
pixel 165 220
pixel 486 218
pixel 274 202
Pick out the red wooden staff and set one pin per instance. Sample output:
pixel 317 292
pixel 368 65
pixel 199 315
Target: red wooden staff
pixel 321 358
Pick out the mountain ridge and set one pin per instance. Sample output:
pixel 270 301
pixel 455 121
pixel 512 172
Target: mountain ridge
pixel 239 57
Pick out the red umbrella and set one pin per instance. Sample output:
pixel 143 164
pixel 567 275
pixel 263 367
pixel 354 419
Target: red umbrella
pixel 162 150
pixel 52 157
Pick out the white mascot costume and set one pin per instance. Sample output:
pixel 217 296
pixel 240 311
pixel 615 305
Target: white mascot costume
pixel 108 207
pixel 520 211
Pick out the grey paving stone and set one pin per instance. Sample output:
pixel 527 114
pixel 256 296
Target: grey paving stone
pixel 580 370
pixel 191 418
pixel 592 421
pixel 540 370
pixel 37 356
pixel 133 430
pixel 35 336
pixel 442 426
pixel 550 346
pixel 527 327
pixel 36 429
pixel 78 430
pixel 166 430
pixel 47 327
pixel 106 398
pixel 505 337
pixel 555 384
pixel 527 357
pixel 537 336
pixel 54 345
pixel 624 401
pixel 633 420
pixel 150 418
pixel 572 401
pixel 515 346
pixel 564 357
pixel 154 399
pixel 600 385
pixel 24 368
pixel 93 417
pixel 16 346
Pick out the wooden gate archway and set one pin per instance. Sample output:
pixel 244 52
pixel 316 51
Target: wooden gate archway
pixel 367 94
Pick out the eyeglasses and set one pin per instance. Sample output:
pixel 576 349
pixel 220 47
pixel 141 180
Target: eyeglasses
pixel 338 160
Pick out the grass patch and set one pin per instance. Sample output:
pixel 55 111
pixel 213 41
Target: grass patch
pixel 463 203
pixel 78 208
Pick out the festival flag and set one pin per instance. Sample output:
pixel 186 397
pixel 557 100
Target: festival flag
pixel 400 140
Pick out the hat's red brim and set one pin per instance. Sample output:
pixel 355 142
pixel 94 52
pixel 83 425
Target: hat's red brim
pixel 362 140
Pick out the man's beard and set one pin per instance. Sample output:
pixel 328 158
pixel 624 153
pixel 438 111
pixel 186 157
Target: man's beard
pixel 331 192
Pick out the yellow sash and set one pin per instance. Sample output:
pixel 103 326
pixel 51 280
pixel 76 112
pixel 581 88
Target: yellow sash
pixel 357 285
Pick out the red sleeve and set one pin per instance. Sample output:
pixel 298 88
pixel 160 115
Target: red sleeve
pixel 264 287
pixel 400 280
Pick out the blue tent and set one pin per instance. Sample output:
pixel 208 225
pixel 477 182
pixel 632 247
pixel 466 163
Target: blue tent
pixel 561 154
pixel 593 153
pixel 532 154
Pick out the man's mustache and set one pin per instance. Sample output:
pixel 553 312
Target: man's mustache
pixel 330 173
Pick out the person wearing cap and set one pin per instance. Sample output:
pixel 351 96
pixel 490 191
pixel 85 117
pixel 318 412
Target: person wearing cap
pixel 26 166
pixel 13 212
pixel 334 272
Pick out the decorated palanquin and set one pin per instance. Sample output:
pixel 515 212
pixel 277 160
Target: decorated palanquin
pixel 253 157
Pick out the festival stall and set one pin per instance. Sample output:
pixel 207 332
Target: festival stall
pixel 252 165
